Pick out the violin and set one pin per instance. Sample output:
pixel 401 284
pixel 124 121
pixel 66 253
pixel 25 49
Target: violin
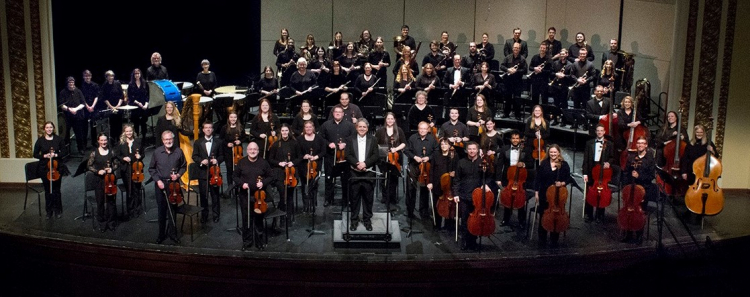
pixel 490 159
pixel 599 195
pixel 260 206
pixel 514 195
pixel 290 179
pixel 52 173
pixel 215 174
pixel 175 191
pixel 705 197
pixel 555 218
pixel 631 216
pixel 457 143
pixel 236 150
pixel 433 129
pixel 312 167
pixel 538 154
pixel 393 157
pixel 673 153
pixel 445 204
pixel 271 138
pixel 340 154
pixel 424 170
pixel 137 167
pixel 110 182
pixel 481 221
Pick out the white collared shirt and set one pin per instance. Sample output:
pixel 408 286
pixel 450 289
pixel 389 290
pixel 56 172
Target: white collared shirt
pixel 209 142
pixel 362 146
pixel 456 75
pixel 598 150
pixel 514 155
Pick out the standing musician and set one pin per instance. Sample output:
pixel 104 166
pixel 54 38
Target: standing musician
pixel 455 78
pixel 407 40
pixel 626 121
pixel 447 47
pixel 305 114
pixel 512 155
pixel 252 174
pixel 335 132
pixel 490 141
pixel 49 147
pixel 268 85
pixel 112 96
pixel 383 136
pixel 170 121
pixel 156 71
pixel 443 161
pixel 313 147
pixel 514 65
pixel 614 55
pixel 351 111
pixel 361 156
pixel 365 82
pixel 582 71
pixel 696 148
pixel 560 80
pixel 596 151
pixel 608 77
pixel 90 91
pixel 206 80
pixel 536 127
pixel 486 49
pixel 207 152
pixel 554 46
pixel 547 174
pixel 484 83
pixel 301 81
pixel 467 178
pixel 261 126
pixel 285 153
pixel 436 58
pixel 365 43
pixel 429 79
pixel 472 60
pixel 668 133
pixel 462 132
pixel 541 68
pixel 350 62
pixel 233 135
pixel 404 81
pixel 310 48
pixel 336 80
pixel 416 155
pixel 509 43
pixel 285 62
pixel 597 108
pixel 337 45
pixel 380 60
pixel 642 175
pixel 138 94
pixel 103 161
pixel 167 164
pixel 280 44
pixel 420 112
pixel 406 58
pixel 71 102
pixel 477 117
pixel 130 150
pixel 320 66
pixel 575 49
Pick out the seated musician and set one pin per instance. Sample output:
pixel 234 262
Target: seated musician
pixel 540 74
pixel 284 153
pixel 351 111
pixel 467 178
pixel 252 174
pixel 337 79
pixel 305 114
pixel 598 150
pixel 156 71
pixel 454 130
pixel 285 63
pixel 435 57
pixel 313 148
pixel 261 126
pixel 668 133
pixel 167 164
pixel 335 131
pixel 208 151
pixel 420 147
pixel 443 161
pixel 380 60
pixel 478 114
pixel 361 156
pixel 515 67
pixel 455 79
pixel 510 155
pixel 597 108
pixel 420 112
pixel 640 169
pixel 553 170
pixel 389 131
pixel 484 83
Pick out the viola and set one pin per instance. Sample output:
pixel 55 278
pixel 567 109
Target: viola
pixel 446 205
pixel 236 150
pixel 260 206
pixel 599 195
pixel 490 159
pixel 271 138
pixel 312 167
pixel 424 170
pixel 137 169
pixel 631 216
pixel 393 157
pixel 110 182
pixel 290 173
pixel 705 197
pixel 215 174
pixel 340 154
pixel 457 143
pixel 433 129
pixel 555 218
pixel 481 221
pixel 538 153
pixel 514 195
pixel 52 173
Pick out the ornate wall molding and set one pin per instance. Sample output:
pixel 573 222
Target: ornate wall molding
pixel 726 72
pixel 19 78
pixel 36 51
pixel 4 144
pixel 704 101
pixel 687 78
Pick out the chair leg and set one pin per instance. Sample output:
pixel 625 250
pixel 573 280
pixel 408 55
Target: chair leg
pixel 39 203
pixel 27 197
pixel 191 228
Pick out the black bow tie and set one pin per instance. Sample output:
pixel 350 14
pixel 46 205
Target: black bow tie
pixel 599 141
pixel 514 148
pixel 209 140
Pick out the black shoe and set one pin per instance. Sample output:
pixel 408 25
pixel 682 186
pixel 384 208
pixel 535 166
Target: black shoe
pixel 353 226
pixel 503 223
pixel 368 226
pixel 410 215
pixel 627 239
pixel 562 125
pixel 58 215
pixel 159 240
pixel 174 238
pixel 216 219
pixel 587 219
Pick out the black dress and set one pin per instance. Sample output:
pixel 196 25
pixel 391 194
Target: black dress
pixel 134 201
pixel 106 207
pixel 53 200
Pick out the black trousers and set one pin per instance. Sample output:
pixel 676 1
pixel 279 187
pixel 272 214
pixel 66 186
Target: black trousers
pixel 449 222
pixel 333 170
pixel 133 201
pixel 53 200
pixel 115 127
pixel 390 186
pixel 508 212
pixel 204 189
pixel 512 97
pixel 245 201
pixel 309 195
pixel 560 95
pixel 162 206
pixel 424 196
pixel 465 207
pixel 79 127
pixel 580 95
pixel 106 205
pixel 588 210
pixel 362 195
pixel 539 92
pixel 139 118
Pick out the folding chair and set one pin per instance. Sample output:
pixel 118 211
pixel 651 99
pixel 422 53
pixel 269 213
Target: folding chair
pixel 31 184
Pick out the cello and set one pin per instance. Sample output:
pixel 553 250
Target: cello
pixel 599 195
pixel 424 170
pixel 705 197
pixel 215 174
pixel 445 204
pixel 137 169
pixel 631 216
pixel 481 221
pixel 175 191
pixel 110 182
pixel 236 150
pixel 631 135
pixel 555 218
pixel 514 195
pixel 393 157
pixel 673 153
pixel 260 206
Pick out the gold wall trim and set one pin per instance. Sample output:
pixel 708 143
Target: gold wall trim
pixel 19 78
pixel 4 145
pixel 36 51
pixel 687 78
pixel 726 72
pixel 704 102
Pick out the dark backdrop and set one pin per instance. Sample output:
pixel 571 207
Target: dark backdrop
pixel 121 35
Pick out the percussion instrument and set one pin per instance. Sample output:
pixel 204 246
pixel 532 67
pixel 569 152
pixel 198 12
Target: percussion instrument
pixel 230 90
pixel 161 91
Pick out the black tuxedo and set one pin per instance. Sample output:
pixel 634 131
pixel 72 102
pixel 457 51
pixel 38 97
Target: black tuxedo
pixel 502 164
pixel 593 111
pixel 459 98
pixel 200 154
pixel 589 154
pixel 362 189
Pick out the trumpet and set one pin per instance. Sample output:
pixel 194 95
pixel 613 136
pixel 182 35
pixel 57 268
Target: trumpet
pixel 540 65
pixel 562 70
pixel 515 67
pixel 578 84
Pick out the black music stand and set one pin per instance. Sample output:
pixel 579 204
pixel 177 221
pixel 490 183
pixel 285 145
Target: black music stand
pixel 552 111
pixel 667 178
pixel 435 97
pixel 405 97
pixel 312 230
pixel 409 231
pixel 574 116
pixel 83 168
pixel 151 112
pixel 229 189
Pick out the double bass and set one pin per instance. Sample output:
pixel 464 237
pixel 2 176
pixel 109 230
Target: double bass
pixel 481 221
pixel 110 182
pixel 260 206
pixel 673 153
pixel 175 191
pixel 631 216
pixel 514 195
pixel 137 169
pixel 393 157
pixel 599 195
pixel 632 135
pixel 705 197
pixel 215 174
pixel 555 218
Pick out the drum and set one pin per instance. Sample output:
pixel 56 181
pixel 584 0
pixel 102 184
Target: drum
pixel 161 91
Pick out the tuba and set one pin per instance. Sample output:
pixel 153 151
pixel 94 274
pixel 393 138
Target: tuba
pixel 398 44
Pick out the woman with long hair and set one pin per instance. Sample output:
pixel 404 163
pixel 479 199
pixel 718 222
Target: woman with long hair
pixel 128 151
pixel 49 147
pixel 384 135
pixel 233 134
pixel 171 121
pixel 553 170
pixel 102 161
pixel 264 124
pixel 477 117
pixel 305 114
pixel 280 44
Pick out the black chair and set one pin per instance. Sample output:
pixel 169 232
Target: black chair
pixel 31 175
pixel 89 181
pixel 274 212
pixel 187 209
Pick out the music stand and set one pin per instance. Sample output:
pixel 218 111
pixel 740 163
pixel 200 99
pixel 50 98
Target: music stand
pixel 312 230
pixel 552 110
pixel 229 189
pixel 83 168
pixel 435 97
pixel 409 231
pixel 151 112
pixel 574 116
pixel 406 97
